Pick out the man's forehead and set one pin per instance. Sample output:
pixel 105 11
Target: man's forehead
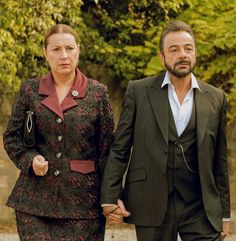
pixel 178 38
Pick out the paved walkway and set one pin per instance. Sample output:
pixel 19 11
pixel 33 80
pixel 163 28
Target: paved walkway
pixel 121 234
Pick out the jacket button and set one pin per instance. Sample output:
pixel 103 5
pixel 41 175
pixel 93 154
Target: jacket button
pixel 59 155
pixel 59 138
pixel 58 120
pixel 57 173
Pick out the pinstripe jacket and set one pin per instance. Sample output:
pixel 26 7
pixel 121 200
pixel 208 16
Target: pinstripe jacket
pixel 143 127
pixel 74 138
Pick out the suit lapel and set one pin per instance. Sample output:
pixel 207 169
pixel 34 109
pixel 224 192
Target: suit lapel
pixel 202 109
pixel 158 98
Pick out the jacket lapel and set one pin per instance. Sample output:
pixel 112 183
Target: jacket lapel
pixel 46 87
pixel 78 90
pixel 158 98
pixel 202 110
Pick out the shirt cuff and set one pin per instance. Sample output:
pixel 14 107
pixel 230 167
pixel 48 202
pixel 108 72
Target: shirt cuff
pixel 108 204
pixel 226 219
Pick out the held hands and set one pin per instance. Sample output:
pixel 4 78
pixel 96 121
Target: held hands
pixel 115 213
pixel 226 227
pixel 40 166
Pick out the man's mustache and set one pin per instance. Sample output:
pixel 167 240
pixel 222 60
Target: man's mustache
pixel 182 62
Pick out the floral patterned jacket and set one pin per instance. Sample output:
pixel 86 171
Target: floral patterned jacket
pixel 74 137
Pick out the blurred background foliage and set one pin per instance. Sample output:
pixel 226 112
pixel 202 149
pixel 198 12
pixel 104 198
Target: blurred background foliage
pixel 119 39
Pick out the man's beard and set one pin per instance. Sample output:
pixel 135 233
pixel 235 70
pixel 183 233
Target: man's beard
pixel 180 73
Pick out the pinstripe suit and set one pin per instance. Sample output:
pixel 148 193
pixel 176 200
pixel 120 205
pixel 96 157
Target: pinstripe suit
pixel 143 127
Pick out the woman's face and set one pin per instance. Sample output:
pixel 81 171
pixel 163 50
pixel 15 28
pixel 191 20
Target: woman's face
pixel 62 53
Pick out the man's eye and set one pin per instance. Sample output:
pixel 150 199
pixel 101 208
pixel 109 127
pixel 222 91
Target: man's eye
pixel 189 49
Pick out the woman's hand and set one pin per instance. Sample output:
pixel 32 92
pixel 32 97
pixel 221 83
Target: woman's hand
pixel 40 166
pixel 115 213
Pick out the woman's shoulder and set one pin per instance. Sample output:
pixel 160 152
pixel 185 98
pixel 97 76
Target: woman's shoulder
pixel 30 84
pixel 29 87
pixel 96 85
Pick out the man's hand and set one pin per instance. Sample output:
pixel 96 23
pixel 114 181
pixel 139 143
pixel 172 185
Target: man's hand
pixel 115 213
pixel 225 231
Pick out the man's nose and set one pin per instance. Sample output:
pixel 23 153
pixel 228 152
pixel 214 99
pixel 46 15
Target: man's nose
pixel 182 53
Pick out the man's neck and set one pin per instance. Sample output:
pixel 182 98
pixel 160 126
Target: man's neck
pixel 181 85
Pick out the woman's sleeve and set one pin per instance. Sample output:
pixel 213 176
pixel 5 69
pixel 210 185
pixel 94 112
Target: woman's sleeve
pixel 13 136
pixel 106 129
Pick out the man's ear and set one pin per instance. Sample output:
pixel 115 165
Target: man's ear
pixel 161 57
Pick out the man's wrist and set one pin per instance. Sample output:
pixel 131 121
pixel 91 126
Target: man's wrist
pixel 107 204
pixel 109 209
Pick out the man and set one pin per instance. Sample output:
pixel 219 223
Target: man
pixel 177 177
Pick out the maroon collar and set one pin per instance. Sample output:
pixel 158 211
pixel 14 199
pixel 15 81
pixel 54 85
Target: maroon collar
pixel 47 87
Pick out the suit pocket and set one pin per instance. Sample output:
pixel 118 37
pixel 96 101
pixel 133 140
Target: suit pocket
pixel 136 175
pixel 82 166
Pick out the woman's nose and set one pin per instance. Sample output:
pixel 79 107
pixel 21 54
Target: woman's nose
pixel 63 53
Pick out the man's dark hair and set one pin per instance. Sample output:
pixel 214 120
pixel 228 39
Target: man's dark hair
pixel 174 26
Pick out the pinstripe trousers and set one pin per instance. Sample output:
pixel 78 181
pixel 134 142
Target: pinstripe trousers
pixel 189 220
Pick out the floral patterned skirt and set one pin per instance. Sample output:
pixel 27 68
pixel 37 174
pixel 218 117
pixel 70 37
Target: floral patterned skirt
pixel 35 228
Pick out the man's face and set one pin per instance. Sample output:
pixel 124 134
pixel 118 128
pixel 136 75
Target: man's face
pixel 179 55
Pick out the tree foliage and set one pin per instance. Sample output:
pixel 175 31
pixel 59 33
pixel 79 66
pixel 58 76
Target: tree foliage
pixel 118 38
pixel 22 24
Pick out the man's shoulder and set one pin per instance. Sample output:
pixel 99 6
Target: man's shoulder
pixel 210 88
pixel 148 81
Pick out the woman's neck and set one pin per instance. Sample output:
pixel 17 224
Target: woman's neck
pixel 64 80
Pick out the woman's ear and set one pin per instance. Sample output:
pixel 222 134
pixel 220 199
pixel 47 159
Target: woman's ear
pixel 45 53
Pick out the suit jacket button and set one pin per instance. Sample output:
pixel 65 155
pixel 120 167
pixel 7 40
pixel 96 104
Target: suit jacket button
pixel 59 138
pixel 58 155
pixel 57 173
pixel 58 120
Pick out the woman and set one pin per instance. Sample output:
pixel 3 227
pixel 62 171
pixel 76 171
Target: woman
pixel 56 196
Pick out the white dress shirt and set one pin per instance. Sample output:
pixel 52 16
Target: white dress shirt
pixel 181 112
